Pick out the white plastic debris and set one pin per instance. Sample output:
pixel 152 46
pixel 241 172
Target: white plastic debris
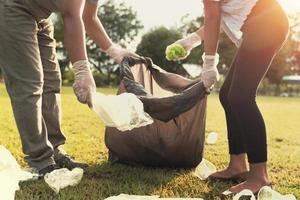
pixel 10 175
pixel 124 111
pixel 212 138
pixel 137 197
pixel 205 169
pixel 132 197
pixel 62 178
pixel 265 193
pixel 244 193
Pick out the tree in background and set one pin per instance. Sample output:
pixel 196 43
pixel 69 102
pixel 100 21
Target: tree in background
pixel 153 45
pixel 122 26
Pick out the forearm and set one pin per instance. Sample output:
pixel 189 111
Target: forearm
pixel 97 33
pixel 74 39
pixel 212 23
pixel 211 35
pixel 200 32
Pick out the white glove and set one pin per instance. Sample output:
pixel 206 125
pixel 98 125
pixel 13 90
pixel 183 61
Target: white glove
pixel 84 84
pixel 189 43
pixel 118 53
pixel 210 74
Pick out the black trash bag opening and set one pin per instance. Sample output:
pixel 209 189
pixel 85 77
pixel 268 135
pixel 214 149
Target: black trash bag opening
pixel 187 92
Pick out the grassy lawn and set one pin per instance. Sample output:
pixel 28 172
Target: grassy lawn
pixel 85 133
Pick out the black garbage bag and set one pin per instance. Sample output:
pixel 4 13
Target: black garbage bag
pixel 178 107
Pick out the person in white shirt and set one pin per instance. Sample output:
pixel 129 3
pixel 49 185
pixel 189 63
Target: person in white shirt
pixel 259 29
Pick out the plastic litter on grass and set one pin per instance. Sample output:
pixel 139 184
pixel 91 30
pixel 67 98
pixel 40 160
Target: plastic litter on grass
pixel 124 111
pixel 11 174
pixel 265 193
pixel 62 178
pixel 205 169
pixel 212 138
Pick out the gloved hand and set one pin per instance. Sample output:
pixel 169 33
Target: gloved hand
pixel 84 84
pixel 118 53
pixel 188 43
pixel 210 74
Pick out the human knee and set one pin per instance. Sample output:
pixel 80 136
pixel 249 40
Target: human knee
pixel 53 85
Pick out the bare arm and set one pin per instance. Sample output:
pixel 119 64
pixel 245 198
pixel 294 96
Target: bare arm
pixel 94 27
pixel 200 32
pixel 74 32
pixel 212 23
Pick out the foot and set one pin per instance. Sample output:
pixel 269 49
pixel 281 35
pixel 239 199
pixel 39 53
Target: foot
pixel 230 173
pixel 253 185
pixel 67 162
pixel 47 170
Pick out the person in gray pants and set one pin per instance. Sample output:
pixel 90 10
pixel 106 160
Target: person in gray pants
pixel 32 76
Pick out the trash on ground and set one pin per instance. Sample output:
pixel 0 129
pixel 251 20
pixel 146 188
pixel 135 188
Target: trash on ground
pixel 243 193
pixel 124 111
pixel 137 197
pixel 212 138
pixel 265 193
pixel 62 178
pixel 205 169
pixel 11 174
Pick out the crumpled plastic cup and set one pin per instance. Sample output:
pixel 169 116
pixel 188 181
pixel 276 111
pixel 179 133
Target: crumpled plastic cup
pixel 124 112
pixel 205 169
pixel 266 193
pixel 247 193
pixel 212 138
pixel 62 178
pixel 10 175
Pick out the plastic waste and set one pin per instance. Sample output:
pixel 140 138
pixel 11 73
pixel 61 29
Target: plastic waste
pixel 266 193
pixel 247 193
pixel 124 111
pixel 205 169
pixel 137 197
pixel 11 174
pixel 62 178
pixel 132 197
pixel 212 138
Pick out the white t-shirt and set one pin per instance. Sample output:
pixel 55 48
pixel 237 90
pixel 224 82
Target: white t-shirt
pixel 233 16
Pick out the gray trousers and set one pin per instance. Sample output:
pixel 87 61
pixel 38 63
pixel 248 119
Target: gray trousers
pixel 33 81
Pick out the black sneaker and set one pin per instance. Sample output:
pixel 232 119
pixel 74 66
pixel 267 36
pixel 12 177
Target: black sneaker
pixel 67 162
pixel 47 170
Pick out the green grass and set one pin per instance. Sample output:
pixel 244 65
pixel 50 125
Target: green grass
pixel 85 134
